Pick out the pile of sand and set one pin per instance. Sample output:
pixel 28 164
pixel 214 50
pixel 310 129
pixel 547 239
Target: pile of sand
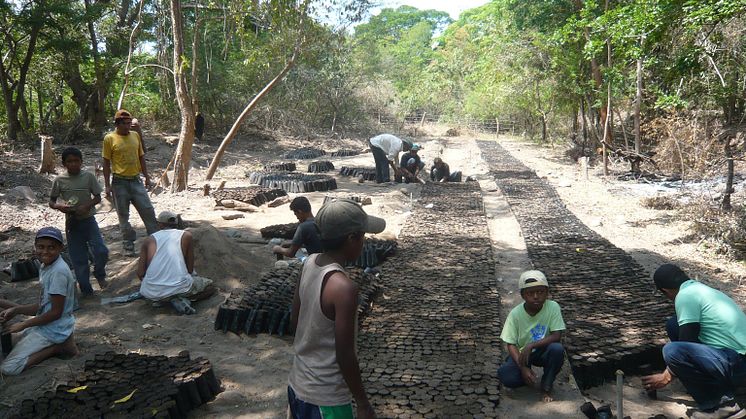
pixel 228 263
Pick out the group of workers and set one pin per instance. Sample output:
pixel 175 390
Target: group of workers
pixel 165 266
pixel 707 349
pixel 386 148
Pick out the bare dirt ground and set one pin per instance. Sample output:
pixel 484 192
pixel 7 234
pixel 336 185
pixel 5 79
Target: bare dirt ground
pixel 253 369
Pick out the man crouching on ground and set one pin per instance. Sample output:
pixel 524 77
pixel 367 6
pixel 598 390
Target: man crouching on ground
pixel 707 351
pixel 532 333
pixel 166 267
pixel 325 376
pixel 50 331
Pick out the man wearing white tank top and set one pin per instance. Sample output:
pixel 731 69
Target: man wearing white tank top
pixel 166 267
pixel 325 376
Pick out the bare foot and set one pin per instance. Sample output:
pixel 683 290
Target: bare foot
pixel 546 397
pixel 69 348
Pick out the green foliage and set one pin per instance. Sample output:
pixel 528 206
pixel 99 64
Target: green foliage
pixel 531 61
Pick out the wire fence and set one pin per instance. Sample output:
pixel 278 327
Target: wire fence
pixel 489 126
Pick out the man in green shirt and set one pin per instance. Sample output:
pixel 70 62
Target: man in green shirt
pixel 708 344
pixel 532 334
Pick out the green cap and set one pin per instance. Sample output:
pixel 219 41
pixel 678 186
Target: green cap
pixel 340 217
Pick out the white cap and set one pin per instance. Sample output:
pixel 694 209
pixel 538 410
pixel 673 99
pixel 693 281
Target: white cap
pixel 533 278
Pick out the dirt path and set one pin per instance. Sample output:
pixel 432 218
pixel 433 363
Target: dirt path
pixel 510 247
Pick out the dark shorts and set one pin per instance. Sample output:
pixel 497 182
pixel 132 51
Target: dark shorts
pixel 302 410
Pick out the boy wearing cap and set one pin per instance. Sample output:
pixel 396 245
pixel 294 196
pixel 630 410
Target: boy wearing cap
pixel 80 192
pixel 124 160
pixel 166 267
pixel 50 331
pixel 410 165
pixel 532 333
pixel 707 351
pixel 325 376
pixel 385 149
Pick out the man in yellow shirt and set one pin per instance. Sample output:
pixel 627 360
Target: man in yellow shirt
pixel 123 162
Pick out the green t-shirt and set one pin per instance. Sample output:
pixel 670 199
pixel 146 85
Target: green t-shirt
pixel 520 328
pixel 722 324
pixel 76 190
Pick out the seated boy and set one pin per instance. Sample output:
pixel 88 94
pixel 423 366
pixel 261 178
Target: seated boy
pixel 410 166
pixel 532 334
pixel 306 235
pixel 441 172
pixel 50 331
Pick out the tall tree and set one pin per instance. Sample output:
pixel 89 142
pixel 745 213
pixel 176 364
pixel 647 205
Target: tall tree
pixel 103 46
pixel 183 156
pixel 21 26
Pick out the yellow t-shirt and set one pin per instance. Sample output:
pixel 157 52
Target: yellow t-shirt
pixel 123 151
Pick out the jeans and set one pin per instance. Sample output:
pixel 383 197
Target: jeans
pixel 710 375
pixel 550 357
pixel 126 191
pixel 82 234
pixel 382 164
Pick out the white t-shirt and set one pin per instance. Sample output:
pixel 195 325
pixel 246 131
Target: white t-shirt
pixel 167 273
pixel 390 144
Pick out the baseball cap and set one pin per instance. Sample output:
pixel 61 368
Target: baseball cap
pixel 340 217
pixel 669 276
pixel 50 232
pixel 122 114
pixel 533 278
pixel 168 217
pixel 416 147
pixel 407 145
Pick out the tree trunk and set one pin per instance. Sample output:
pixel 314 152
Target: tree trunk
pixel 186 136
pixel 543 128
pixel 607 120
pixel 729 174
pixel 595 68
pixel 624 130
pixel 638 101
pixel 47 155
pixel 95 115
pixel 584 122
pixel 195 57
pixel 14 90
pixel 236 125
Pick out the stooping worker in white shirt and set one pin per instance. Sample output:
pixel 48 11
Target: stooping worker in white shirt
pixel 386 149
